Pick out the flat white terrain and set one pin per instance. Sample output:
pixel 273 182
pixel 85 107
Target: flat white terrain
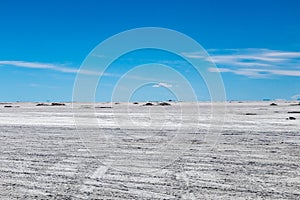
pixel 130 151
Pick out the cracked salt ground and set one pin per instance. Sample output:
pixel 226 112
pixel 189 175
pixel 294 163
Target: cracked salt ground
pixel 256 157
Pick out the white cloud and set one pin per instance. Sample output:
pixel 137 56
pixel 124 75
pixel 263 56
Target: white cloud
pixel 283 54
pixel 196 55
pixel 244 72
pixel 37 65
pixel 285 72
pixel 297 96
pixel 219 70
pixel 253 62
pixel 256 72
pixel 166 85
pixel 49 66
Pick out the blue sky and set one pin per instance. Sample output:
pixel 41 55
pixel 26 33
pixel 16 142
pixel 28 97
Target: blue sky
pixel 255 45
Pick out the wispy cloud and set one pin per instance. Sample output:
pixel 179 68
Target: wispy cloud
pixel 166 85
pixel 195 54
pixel 253 62
pixel 297 96
pixel 37 65
pixel 256 72
pixel 63 69
pixel 49 66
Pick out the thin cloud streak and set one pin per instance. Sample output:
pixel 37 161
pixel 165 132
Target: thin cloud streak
pixel 258 63
pixel 256 72
pixel 296 96
pixel 166 85
pixel 49 66
pixel 60 68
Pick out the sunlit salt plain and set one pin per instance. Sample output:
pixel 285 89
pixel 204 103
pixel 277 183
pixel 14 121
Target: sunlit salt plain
pixel 131 151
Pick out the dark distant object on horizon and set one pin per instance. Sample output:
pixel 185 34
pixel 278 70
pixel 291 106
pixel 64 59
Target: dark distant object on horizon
pixel 135 103
pixel 273 104
pixel 42 104
pixel 58 104
pixel 148 104
pixel 164 104
pixel 291 118
pixel 52 104
pixel 294 112
pixel 295 104
pixel 159 104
